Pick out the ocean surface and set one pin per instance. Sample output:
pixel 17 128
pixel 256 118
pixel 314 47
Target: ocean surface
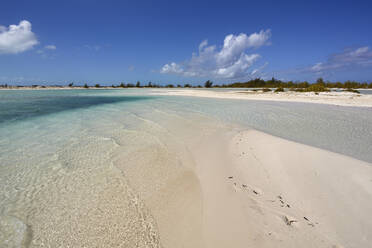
pixel 59 150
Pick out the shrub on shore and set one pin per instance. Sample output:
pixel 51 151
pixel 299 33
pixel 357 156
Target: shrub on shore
pixel 208 84
pixel 280 89
pixel 316 88
pixel 352 90
pixel 276 83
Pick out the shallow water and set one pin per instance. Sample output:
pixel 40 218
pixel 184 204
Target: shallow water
pixel 66 156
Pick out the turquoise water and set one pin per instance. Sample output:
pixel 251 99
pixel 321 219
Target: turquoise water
pixel 346 130
pixel 59 185
pixel 366 92
pixel 59 151
pixel 20 104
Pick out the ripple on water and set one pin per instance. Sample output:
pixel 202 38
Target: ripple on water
pixel 13 232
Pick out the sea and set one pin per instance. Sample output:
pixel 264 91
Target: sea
pixel 59 153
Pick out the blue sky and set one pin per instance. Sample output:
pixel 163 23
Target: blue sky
pixel 184 41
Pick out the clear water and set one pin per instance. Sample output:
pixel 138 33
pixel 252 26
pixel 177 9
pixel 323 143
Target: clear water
pixel 23 104
pixel 59 153
pixel 366 92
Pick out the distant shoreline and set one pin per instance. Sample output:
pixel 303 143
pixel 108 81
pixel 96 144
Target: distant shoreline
pixel 335 96
pixel 342 98
pixel 145 87
pixel 53 88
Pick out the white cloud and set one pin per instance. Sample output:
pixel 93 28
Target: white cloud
pixel 361 56
pixel 50 47
pixel 171 68
pixel 230 62
pixel 239 67
pixel 17 38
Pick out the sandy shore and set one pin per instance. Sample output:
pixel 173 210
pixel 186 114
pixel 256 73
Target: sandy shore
pixel 244 188
pixel 263 191
pixel 335 98
pixel 161 177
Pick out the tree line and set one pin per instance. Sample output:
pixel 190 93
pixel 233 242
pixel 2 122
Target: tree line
pixel 275 83
pixel 320 84
pixel 255 83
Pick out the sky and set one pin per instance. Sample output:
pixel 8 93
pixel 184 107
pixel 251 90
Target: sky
pixel 107 42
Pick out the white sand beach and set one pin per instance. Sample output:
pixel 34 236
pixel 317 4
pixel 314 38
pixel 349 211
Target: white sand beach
pixel 244 188
pixel 263 191
pixel 334 98
pixel 268 192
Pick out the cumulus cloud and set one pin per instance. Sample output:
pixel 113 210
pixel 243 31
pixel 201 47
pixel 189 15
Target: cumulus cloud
pixel 17 38
pixel 361 56
pixel 172 68
pixel 50 47
pixel 230 62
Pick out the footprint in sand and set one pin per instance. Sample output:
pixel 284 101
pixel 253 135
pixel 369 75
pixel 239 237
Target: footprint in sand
pixel 244 186
pixel 283 203
pixel 289 220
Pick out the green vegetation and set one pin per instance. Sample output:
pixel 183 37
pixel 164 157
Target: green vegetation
pixel 275 83
pixel 265 85
pixel 208 84
pixel 352 90
pixel 316 88
pixel 280 89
